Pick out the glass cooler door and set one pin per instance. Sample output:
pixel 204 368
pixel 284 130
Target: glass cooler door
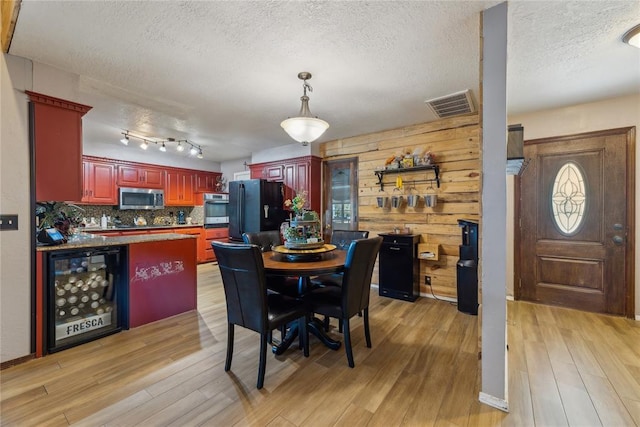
pixel 86 294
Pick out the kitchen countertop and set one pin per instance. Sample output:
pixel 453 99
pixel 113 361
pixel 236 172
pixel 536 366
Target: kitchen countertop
pixel 139 227
pixel 88 240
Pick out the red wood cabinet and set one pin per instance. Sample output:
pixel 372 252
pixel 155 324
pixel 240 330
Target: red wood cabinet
pixel 178 190
pixel 140 176
pixel 205 182
pixel 56 138
pixel 99 183
pixel 211 235
pixel 300 173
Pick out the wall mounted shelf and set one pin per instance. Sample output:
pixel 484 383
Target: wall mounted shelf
pixel 435 168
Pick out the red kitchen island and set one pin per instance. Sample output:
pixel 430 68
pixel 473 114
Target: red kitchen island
pixel 96 285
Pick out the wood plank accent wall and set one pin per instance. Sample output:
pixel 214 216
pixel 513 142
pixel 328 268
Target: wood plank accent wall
pixel 456 143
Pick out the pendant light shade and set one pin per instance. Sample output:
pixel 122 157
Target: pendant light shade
pixel 305 128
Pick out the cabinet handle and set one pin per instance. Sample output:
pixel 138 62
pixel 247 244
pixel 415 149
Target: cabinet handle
pixel 394 249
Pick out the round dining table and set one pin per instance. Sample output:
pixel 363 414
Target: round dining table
pixel 326 263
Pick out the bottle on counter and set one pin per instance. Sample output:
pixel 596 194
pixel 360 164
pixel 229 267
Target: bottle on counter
pixel 103 221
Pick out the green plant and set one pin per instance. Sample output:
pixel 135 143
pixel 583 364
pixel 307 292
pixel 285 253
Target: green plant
pixel 60 215
pixel 298 202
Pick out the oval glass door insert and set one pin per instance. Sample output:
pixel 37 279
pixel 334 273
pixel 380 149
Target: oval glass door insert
pixel 568 198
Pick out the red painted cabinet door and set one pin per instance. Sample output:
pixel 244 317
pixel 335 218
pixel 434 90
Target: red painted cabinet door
pixel 57 147
pixel 140 177
pixel 178 190
pixel 99 183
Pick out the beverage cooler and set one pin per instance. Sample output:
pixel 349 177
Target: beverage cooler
pixel 85 295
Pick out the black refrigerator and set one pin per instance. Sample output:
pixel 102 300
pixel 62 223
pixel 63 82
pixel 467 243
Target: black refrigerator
pixel 255 205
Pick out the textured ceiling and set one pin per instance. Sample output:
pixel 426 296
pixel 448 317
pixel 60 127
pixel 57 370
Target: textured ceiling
pixel 224 74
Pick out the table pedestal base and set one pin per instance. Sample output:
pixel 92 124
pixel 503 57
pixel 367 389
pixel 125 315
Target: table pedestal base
pixel 315 327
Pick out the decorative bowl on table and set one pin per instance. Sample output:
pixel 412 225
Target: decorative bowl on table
pixel 303 245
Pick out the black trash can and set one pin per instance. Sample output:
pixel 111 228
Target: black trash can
pixel 467 268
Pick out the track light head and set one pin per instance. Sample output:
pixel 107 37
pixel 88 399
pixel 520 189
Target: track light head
pixel 125 140
pixel 180 147
pixel 163 148
pixel 144 144
pixel 193 151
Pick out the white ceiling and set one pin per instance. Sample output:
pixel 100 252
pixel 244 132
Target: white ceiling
pixel 224 74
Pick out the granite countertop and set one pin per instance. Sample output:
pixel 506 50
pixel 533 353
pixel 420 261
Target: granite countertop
pixel 88 240
pixel 139 227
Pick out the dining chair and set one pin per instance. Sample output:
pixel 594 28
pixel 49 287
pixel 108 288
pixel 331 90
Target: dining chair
pixel 266 240
pixel 345 301
pixel 341 239
pixel 250 305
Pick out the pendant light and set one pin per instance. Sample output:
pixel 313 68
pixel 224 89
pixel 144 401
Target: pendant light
pixel 305 128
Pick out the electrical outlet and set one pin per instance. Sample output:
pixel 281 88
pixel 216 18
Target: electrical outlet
pixel 8 222
pixel 427 280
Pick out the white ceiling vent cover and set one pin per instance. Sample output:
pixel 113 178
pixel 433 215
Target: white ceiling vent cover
pixel 452 105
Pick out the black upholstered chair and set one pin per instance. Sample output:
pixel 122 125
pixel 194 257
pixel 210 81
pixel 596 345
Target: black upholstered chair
pixel 250 305
pixel 266 240
pixel 342 239
pixel 345 301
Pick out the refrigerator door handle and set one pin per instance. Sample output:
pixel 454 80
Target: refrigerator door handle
pixel 240 209
pixel 266 211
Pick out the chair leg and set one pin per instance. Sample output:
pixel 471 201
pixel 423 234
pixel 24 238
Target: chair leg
pixel 367 334
pixel 340 325
pixel 347 342
pixel 325 323
pixel 227 363
pixel 303 334
pixel 263 360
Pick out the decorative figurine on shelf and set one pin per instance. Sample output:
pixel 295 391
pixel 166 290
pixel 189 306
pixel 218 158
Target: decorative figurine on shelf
pixel 429 158
pixel 221 183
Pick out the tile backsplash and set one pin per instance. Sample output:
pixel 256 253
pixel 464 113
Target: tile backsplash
pixel 166 216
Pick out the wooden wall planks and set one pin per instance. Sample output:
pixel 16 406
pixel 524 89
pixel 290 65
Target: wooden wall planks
pixel 456 143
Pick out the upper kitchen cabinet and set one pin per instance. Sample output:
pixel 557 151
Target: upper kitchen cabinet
pixel 178 190
pixel 56 137
pixel 139 176
pixel 99 181
pixel 205 182
pixel 300 173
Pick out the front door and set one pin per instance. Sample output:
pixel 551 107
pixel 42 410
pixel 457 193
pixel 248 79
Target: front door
pixel 576 212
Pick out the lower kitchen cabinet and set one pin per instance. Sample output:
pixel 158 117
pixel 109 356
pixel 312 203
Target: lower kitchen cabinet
pixel 211 235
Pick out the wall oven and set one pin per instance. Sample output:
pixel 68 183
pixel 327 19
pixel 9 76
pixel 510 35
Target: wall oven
pixel 216 210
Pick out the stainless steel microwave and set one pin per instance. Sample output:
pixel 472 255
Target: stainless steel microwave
pixel 141 198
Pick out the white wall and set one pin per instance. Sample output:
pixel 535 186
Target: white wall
pixel 607 114
pixel 15 249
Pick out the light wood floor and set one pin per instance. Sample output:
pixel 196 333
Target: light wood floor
pixel 565 368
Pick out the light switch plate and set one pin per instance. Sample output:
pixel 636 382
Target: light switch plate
pixel 8 222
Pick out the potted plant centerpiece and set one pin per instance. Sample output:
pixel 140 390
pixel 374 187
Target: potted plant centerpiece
pixel 304 231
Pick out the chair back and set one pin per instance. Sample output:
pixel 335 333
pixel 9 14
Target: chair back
pixel 245 288
pixel 343 238
pixel 358 269
pixel 264 239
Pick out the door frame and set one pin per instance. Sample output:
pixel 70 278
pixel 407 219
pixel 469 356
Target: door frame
pixel 631 211
pixel 326 189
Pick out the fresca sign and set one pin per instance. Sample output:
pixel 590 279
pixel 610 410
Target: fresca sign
pixel 81 326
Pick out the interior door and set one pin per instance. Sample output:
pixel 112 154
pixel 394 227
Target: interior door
pixel 576 211
pixel 340 195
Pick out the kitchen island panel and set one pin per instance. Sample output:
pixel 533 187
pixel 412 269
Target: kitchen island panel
pixel 162 279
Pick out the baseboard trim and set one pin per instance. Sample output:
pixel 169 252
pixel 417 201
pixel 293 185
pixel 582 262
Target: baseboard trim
pixel 638 317
pixel 18 361
pixel 510 298
pixel 493 401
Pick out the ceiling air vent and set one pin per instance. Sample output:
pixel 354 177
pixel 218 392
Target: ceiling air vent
pixel 452 105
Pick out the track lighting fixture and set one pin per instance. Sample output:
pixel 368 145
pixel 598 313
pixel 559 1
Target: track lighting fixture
pixel 195 149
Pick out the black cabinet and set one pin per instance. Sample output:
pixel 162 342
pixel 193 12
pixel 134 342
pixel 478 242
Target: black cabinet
pixel 399 268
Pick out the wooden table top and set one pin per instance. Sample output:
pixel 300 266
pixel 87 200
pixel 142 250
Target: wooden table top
pixel 330 262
